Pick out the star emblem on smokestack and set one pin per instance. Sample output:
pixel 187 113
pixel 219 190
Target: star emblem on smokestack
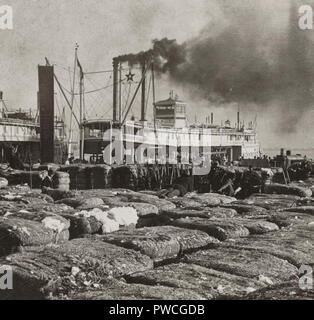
pixel 130 76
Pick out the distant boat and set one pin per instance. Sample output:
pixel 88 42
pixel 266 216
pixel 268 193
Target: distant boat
pixel 20 131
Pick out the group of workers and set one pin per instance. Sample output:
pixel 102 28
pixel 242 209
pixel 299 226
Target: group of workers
pixel 239 183
pixel 224 180
pixel 300 170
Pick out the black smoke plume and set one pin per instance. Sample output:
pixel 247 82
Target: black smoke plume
pixel 246 61
pixel 166 54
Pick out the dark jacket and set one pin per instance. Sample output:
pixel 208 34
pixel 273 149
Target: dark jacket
pixel 48 182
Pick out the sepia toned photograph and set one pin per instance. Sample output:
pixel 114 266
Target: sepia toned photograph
pixel 156 150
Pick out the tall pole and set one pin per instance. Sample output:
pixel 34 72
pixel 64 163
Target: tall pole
pixel 120 101
pixel 63 122
pixel 115 88
pixel 81 117
pixel 238 118
pixel 72 104
pixel 154 94
pixel 143 102
pixel 81 124
pixel 84 116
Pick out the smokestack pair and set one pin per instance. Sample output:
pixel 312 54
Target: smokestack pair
pixel 116 63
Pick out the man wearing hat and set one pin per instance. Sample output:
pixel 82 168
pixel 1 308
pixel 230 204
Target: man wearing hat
pixel 47 180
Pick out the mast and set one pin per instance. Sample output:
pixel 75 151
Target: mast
pixel 81 115
pixel 154 94
pixel 81 125
pixel 72 103
pixel 115 88
pixel 238 118
pixel 120 97
pixel 143 101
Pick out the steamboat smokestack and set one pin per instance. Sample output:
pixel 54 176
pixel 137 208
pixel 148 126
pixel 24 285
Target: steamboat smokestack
pixel 212 118
pixel 115 88
pixel 46 112
pixel 143 101
pixel 238 120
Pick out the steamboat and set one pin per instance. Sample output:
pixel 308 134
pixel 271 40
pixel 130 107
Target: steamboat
pixel 169 137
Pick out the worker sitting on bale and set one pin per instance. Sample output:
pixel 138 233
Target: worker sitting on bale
pixel 180 188
pixel 266 177
pixel 176 190
pixel 251 183
pixel 47 180
pixel 14 158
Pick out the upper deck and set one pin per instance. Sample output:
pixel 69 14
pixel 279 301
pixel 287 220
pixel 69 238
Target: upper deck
pixel 17 130
pixel 170 128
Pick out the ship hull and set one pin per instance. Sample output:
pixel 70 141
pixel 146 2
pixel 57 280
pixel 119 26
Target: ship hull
pixel 169 144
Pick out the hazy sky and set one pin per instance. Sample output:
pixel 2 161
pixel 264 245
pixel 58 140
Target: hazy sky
pixel 107 28
pixel 103 29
